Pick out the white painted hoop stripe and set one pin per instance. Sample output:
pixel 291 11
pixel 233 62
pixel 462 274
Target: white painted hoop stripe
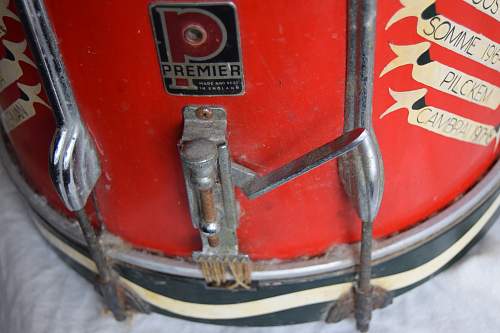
pixel 286 301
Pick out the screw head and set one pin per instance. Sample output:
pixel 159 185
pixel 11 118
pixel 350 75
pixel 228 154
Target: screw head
pixel 204 113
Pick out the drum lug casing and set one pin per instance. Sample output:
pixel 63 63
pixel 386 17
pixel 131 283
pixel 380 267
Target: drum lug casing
pixel 362 170
pixel 73 163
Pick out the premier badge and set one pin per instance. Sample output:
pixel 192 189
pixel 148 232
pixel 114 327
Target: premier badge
pixel 199 48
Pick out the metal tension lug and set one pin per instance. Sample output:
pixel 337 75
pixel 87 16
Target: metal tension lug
pixel 207 168
pixel 75 181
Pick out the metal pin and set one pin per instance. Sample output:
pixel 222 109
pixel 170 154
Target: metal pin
pixel 209 216
pixel 208 205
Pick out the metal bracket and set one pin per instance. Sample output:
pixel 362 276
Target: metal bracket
pixel 207 172
pixel 74 166
pixel 209 176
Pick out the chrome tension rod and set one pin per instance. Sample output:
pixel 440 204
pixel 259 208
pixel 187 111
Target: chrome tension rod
pixel 73 162
pixel 361 170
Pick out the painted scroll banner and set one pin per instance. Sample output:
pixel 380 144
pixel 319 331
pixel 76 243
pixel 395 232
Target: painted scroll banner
pixel 11 73
pixel 10 67
pixel 440 121
pixel 441 30
pixel 23 108
pixel 442 77
pixel 489 7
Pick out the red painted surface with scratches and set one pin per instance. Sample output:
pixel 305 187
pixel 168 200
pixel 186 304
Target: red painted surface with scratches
pixel 294 55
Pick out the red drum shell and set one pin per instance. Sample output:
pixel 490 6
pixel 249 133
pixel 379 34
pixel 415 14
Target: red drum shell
pixel 294 60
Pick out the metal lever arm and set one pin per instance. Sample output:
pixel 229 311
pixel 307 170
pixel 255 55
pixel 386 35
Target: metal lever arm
pixel 254 185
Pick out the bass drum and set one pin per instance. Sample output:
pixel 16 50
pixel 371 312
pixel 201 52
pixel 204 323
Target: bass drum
pixel 196 138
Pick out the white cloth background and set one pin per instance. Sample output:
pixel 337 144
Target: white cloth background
pixel 40 294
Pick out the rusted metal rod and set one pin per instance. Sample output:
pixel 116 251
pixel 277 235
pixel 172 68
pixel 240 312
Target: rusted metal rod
pixel 209 213
pixel 208 205
pixel 363 288
pixel 362 170
pixel 107 284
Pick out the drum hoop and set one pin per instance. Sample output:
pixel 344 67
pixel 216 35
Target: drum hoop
pixel 338 260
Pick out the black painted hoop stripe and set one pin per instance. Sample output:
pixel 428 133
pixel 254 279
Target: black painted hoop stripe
pixel 240 310
pixel 194 290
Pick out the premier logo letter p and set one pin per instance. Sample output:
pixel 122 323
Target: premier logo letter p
pixel 192 34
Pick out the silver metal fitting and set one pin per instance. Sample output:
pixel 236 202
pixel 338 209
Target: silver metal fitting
pixel 209 175
pixel 207 172
pixel 73 161
pixel 74 166
pixel 201 158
